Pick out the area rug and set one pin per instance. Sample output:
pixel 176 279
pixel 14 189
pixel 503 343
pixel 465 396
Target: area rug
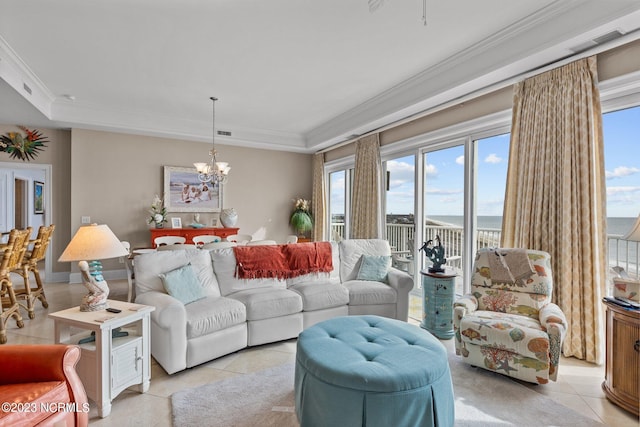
pixel 266 398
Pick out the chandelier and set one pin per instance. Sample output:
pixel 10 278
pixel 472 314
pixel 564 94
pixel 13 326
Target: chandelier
pixel 215 172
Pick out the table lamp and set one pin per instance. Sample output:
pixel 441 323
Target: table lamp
pixel 93 242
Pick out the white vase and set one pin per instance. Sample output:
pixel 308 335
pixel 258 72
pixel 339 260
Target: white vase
pixel 229 217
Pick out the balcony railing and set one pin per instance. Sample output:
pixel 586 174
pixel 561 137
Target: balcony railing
pixel 622 253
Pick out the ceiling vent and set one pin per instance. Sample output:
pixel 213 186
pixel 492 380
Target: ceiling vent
pixel 26 88
pixel 605 38
pixel 224 133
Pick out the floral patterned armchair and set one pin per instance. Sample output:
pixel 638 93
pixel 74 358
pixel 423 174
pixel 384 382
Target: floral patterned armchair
pixel 508 323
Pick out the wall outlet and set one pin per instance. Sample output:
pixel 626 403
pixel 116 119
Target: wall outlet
pixel 86 220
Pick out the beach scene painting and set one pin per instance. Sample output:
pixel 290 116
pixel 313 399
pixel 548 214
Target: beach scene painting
pixel 183 191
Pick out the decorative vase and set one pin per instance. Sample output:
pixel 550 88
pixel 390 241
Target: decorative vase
pixel 228 217
pixel 159 225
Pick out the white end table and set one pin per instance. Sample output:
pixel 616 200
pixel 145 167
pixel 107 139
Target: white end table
pixel 109 364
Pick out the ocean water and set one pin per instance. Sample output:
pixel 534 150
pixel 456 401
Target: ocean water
pixel 615 226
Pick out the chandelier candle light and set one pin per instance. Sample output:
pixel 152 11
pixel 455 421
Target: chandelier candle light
pixel 214 171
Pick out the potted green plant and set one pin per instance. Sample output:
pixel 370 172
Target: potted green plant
pixel 301 219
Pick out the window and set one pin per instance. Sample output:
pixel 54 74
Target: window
pixel 459 183
pixel 444 205
pixel 622 165
pixel 338 204
pixel 492 159
pixel 399 208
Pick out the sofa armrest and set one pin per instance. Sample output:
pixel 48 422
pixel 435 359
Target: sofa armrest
pixel 169 311
pixel 35 363
pixel 554 322
pixel 468 301
pixel 168 330
pixel 461 307
pixel 402 282
pixel 43 363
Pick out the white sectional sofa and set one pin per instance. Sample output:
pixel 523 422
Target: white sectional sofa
pixel 233 313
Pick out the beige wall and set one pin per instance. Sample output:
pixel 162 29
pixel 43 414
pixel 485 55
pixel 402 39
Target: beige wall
pixel 56 154
pixel 114 178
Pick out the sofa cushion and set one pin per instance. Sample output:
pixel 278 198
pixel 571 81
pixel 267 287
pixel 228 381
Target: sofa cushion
pixel 321 278
pixel 365 292
pixel 519 335
pixel 266 303
pixel 351 252
pixel 213 314
pixel 224 264
pixel 318 296
pixel 182 284
pixel 148 267
pixel 374 268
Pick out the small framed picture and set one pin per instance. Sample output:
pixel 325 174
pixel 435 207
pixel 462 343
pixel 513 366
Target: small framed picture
pixel 38 197
pixel 214 222
pixel 176 222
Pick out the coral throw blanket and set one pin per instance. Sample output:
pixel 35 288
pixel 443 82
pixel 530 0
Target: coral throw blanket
pixel 282 261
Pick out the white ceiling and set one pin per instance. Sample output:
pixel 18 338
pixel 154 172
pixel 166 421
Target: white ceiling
pixel 295 75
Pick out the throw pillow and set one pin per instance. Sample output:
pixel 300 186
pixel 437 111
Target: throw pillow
pixel 374 268
pixel 182 284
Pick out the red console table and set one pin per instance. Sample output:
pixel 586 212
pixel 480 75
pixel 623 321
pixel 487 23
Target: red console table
pixel 190 233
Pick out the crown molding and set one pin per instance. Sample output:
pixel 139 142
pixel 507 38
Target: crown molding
pixel 529 44
pixel 85 115
pixel 19 76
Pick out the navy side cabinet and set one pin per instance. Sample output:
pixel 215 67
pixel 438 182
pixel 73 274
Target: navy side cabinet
pixel 438 290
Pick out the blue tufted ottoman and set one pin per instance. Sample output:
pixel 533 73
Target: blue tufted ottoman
pixel 371 371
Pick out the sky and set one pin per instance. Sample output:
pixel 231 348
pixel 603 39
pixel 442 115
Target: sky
pixel 444 170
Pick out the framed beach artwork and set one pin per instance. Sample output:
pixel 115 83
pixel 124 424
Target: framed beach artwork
pixel 38 197
pixel 183 191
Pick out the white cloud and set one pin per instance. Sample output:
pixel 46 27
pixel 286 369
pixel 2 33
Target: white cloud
pixel 493 158
pixel 431 170
pixel 626 190
pixel 441 191
pixel 460 160
pixel 400 173
pixel 621 171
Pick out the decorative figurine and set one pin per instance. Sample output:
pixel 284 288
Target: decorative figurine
pixel 98 289
pixel 435 255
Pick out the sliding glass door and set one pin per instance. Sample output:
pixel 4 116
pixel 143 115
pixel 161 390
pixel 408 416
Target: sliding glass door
pixel 444 206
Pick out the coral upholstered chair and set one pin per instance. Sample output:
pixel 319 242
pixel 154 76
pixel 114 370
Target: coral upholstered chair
pixel 38 375
pixel 508 323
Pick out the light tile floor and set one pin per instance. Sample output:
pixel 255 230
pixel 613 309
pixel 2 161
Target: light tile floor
pixel 578 386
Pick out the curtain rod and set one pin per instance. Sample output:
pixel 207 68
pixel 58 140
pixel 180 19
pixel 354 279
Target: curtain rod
pixel 627 38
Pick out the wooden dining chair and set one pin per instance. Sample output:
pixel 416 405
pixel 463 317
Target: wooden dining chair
pixel 12 253
pixel 38 251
